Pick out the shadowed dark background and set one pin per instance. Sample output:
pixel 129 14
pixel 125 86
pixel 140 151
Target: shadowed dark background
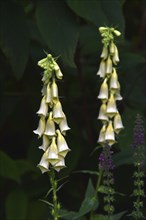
pixel 69 29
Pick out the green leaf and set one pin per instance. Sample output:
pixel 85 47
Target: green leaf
pixel 99 12
pixel 8 168
pixel 14 36
pixel 60 31
pixel 90 202
pixel 16 205
pixel 113 217
pixel 87 172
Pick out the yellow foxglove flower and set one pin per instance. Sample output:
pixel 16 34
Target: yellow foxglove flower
pixel 103 94
pixel 48 94
pixel 44 163
pixel 63 148
pixel 53 152
pixel 41 127
pixel 102 68
pixel 118 125
pixel 54 91
pixel 50 126
pixel 112 48
pixel 60 164
pixel 109 134
pixel 58 72
pixel 109 66
pixel 45 143
pixel 104 53
pixel 63 125
pixel 102 113
pixel 114 80
pixel 117 93
pixel 116 56
pixel 43 110
pixel 57 112
pixel 44 90
pixel 101 138
pixel 111 106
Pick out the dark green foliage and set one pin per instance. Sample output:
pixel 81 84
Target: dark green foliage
pixel 65 28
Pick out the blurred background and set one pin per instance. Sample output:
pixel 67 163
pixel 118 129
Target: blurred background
pixel 69 29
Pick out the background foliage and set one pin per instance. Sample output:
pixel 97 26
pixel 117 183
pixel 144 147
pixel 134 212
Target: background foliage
pixel 67 28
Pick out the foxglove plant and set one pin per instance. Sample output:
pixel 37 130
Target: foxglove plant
pixel 52 126
pixel 139 157
pixel 109 115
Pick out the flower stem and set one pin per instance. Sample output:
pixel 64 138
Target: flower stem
pixel 96 190
pixel 56 205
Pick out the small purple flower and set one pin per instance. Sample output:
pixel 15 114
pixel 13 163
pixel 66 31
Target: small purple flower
pixel 105 159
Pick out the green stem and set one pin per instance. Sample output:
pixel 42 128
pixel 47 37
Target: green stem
pixel 56 205
pixel 96 190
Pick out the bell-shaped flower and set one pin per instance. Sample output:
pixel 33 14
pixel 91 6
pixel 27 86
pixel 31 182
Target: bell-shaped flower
pixel 114 80
pixel 43 110
pixel 117 93
pixel 48 94
pixel 41 127
pixel 103 93
pixel 102 113
pixel 44 90
pixel 109 66
pixel 50 126
pixel 60 164
pixel 109 134
pixel 118 125
pixel 116 56
pixel 54 91
pixel 102 68
pixel 44 163
pixel 53 152
pixel 63 125
pixel 111 106
pixel 58 72
pixel 63 148
pixel 112 48
pixel 45 143
pixel 101 138
pixel 57 112
pixel 104 53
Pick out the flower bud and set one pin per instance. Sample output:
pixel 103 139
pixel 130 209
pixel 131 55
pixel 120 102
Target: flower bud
pixel 54 92
pixel 104 53
pixel 58 72
pixel 102 29
pixel 102 68
pixel 114 80
pixel 41 127
pixel 116 56
pixel 109 66
pixel 112 48
pixel 49 94
pixel 103 94
pixel 117 33
pixel 117 93
pixel 101 138
pixel 43 110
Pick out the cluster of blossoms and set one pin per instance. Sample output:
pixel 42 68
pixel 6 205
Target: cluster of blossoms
pixel 108 114
pixel 139 157
pixel 110 89
pixel 52 125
